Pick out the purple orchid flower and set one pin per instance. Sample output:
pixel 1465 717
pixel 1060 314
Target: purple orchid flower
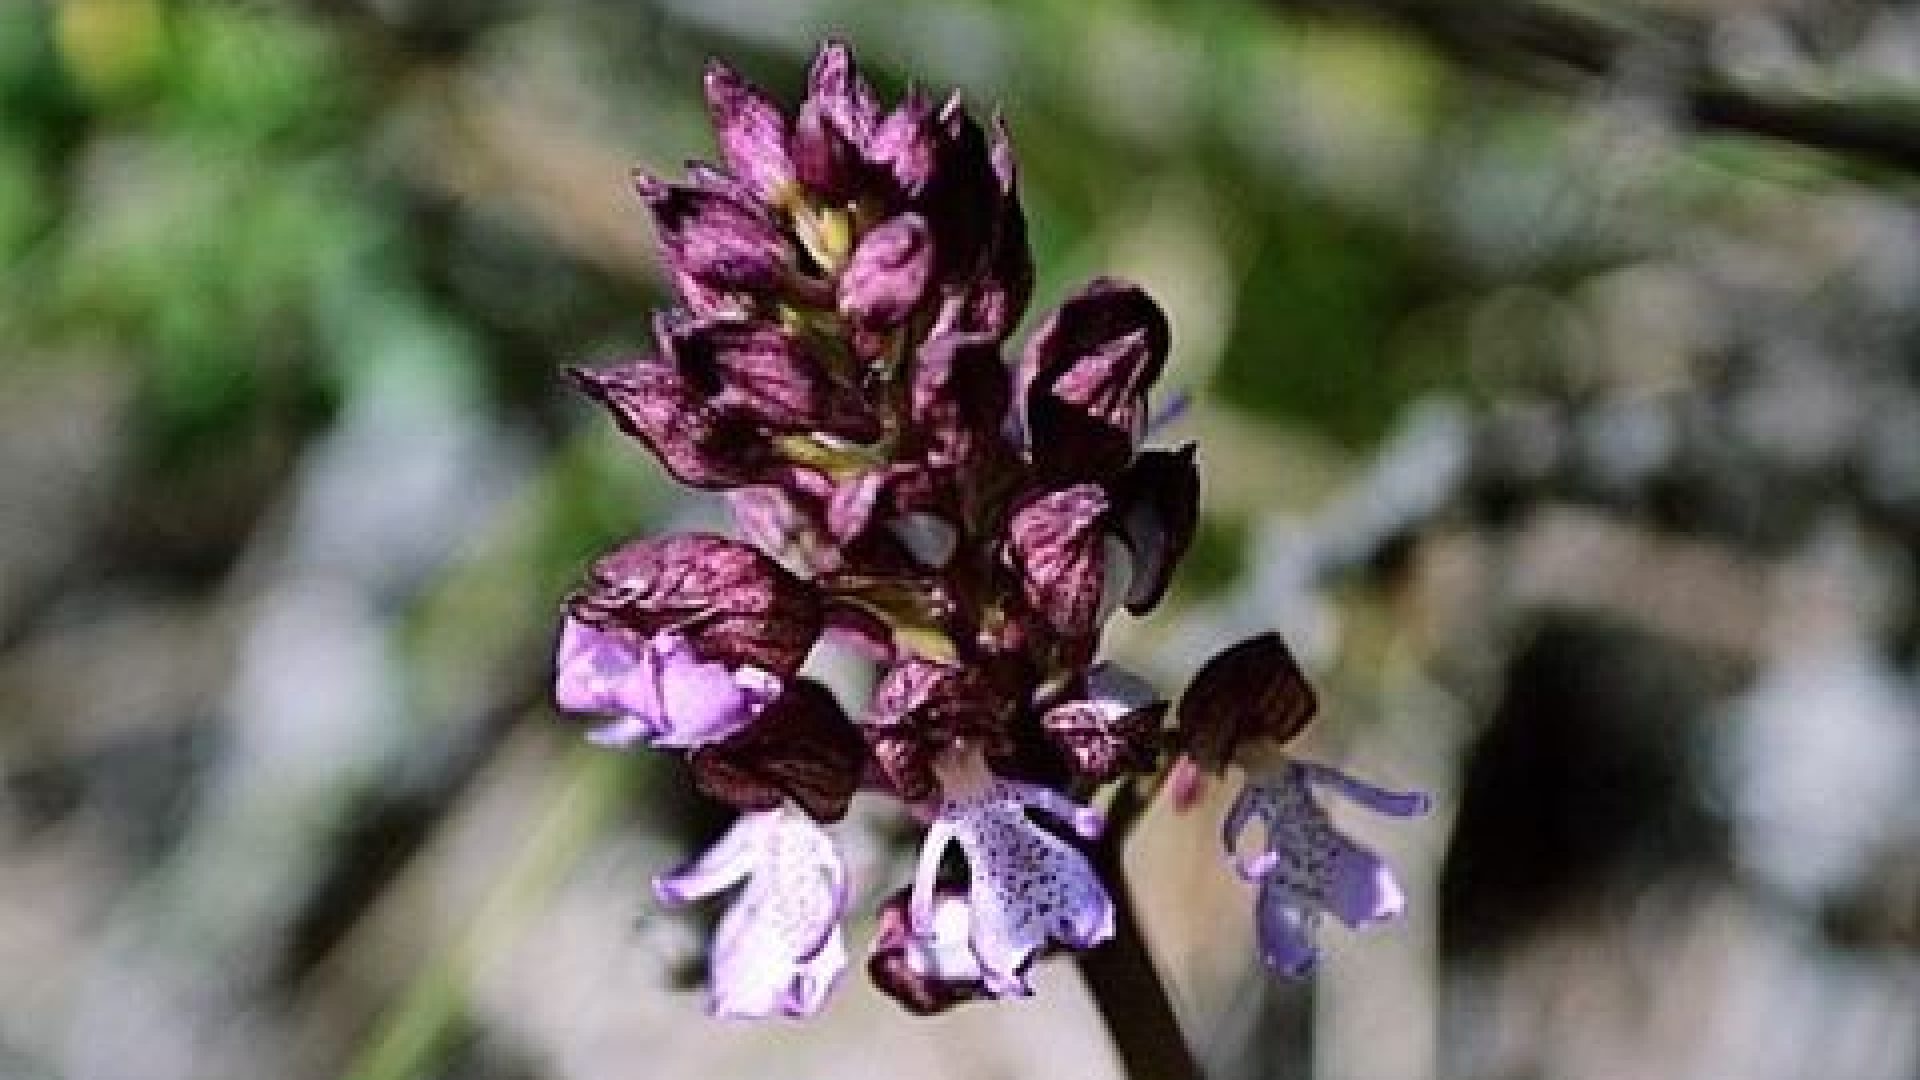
pixel 658 690
pixel 1027 886
pixel 1307 866
pixel 778 949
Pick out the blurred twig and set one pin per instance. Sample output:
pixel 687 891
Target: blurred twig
pixel 1548 44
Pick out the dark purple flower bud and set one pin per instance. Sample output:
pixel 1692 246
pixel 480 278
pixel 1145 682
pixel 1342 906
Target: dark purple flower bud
pixel 701 445
pixel 802 747
pixel 1112 728
pixel 733 604
pixel 1252 690
pixel 906 143
pixel 930 970
pixel 719 242
pixel 1057 544
pixel 961 197
pixel 841 96
pixel 996 298
pixel 1157 502
pixel 752 133
pixel 826 160
pixel 1084 378
pixel 887 276
pixel 959 399
pixel 922 708
pixel 770 374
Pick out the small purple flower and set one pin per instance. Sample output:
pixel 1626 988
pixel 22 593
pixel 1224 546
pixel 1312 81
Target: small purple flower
pixel 658 690
pixel 1306 866
pixel 779 948
pixel 1027 886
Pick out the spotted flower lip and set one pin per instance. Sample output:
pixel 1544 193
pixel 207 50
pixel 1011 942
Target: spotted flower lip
pixel 1306 867
pixel 779 948
pixel 1027 887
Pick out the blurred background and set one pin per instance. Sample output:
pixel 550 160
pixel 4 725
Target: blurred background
pixel 1557 376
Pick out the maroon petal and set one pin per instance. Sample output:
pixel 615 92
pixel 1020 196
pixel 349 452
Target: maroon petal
pixel 1084 378
pixel 1056 543
pixel 921 708
pixel 888 275
pixel 1252 690
pixel 716 240
pixel 959 399
pixel 1113 728
pixel 802 747
pixel 1157 502
pixel 752 133
pixel 961 195
pixel 906 144
pixel 771 375
pixel 827 161
pixel 701 445
pixel 733 603
pixel 836 89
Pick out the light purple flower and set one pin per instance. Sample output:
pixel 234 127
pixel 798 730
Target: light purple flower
pixel 1307 866
pixel 1027 886
pixel 779 948
pixel 657 688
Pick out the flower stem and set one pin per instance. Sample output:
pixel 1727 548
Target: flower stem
pixel 1120 974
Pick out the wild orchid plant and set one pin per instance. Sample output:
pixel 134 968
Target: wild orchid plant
pixel 847 282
